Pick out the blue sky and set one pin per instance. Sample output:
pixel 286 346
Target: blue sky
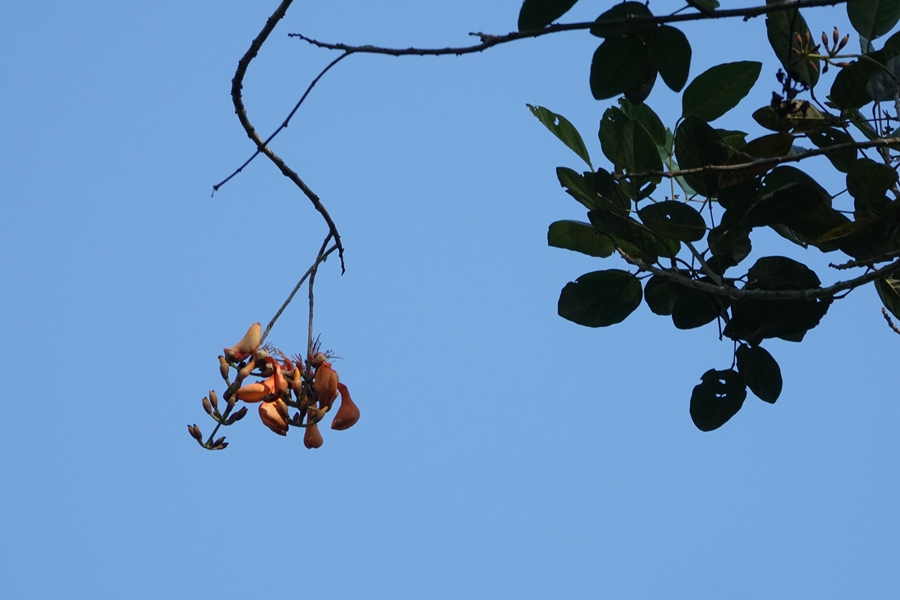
pixel 503 452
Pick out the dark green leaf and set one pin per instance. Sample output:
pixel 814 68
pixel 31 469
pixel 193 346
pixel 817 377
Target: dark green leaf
pixel 842 231
pixel 670 53
pixel 611 124
pixel 842 159
pixel 873 18
pixel 704 5
pixel 641 89
pixel 756 320
pixel 698 145
pixel 618 65
pixel 797 116
pixel 606 187
pixel 694 308
pixel 768 146
pixel 889 291
pixel 661 294
pixel 650 246
pixel 730 241
pixel 782 28
pixel 792 200
pixel 638 152
pixel 625 10
pixel 537 14
pixel 883 84
pixel 760 371
pixel 733 138
pixel 718 398
pixel 648 119
pixel 563 129
pixel 580 237
pixel 675 220
pixel 601 298
pixel 719 89
pixel 869 180
pixel 781 273
pixel 849 87
pixel 579 188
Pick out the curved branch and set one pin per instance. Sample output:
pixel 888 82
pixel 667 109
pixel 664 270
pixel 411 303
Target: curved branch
pixel 287 121
pixel 237 99
pixel 738 294
pixel 489 41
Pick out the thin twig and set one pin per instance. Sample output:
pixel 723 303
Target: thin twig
pixel 285 123
pixel 889 322
pixel 489 41
pixel 312 302
pixel 237 99
pixel 322 256
pixel 867 262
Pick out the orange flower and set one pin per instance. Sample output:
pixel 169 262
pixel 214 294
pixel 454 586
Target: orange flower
pixel 255 392
pixel 266 389
pixel 348 413
pixel 313 438
pixel 247 346
pixel 325 384
pixel 272 418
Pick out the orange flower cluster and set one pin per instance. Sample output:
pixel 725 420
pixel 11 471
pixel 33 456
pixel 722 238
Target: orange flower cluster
pixel 283 384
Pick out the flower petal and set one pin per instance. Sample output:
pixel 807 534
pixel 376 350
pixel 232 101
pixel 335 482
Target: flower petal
pixel 348 414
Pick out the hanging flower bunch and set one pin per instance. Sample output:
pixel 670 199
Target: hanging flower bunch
pixel 280 384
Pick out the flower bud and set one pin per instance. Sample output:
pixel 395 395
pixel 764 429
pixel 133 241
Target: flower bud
pixel 195 433
pixel 248 344
pixel 313 438
pixel 297 384
pixel 207 406
pixel 219 441
pixel 348 414
pixel 271 418
pixel 825 39
pixel 835 35
pixel 844 41
pixel 282 409
pixel 214 400
pixel 245 372
pixel 223 367
pixel 238 415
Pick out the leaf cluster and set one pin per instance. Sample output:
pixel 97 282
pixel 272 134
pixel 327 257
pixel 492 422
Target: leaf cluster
pixel 680 204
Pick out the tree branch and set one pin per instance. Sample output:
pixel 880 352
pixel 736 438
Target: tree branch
pixel 285 123
pixel 237 99
pixel 489 41
pixel 738 294
pixel 868 262
pixel 890 323
pixel 764 162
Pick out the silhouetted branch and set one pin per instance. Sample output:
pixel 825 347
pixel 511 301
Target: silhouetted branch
pixel 285 123
pixel 738 294
pixel 890 323
pixel 764 162
pixel 237 99
pixel 489 41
